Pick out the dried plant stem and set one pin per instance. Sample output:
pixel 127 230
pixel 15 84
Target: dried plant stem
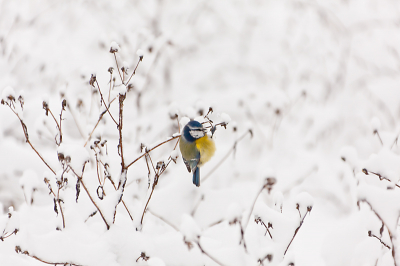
pixel 252 206
pixel 242 237
pixel 57 124
pixel 296 231
pixel 155 182
pixel 134 71
pixel 116 61
pixel 18 250
pixel 367 172
pixel 61 209
pixel 25 129
pixel 226 156
pixel 266 227
pixel 207 254
pixel 123 203
pixel 98 121
pixel 164 220
pixel 147 203
pixel 104 102
pixel 90 197
pixel 76 121
pixel 120 125
pixel 392 238
pixel 380 240
pixel 4 236
pixel 379 137
pixel 147 151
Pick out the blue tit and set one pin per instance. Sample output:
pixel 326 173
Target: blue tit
pixel 196 148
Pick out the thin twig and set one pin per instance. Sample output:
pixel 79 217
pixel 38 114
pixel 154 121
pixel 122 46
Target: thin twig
pixel 207 254
pixel 57 124
pixel 90 197
pixel 134 71
pixel 76 121
pixel 377 133
pixel 252 206
pixel 155 182
pixel 226 156
pixel 164 220
pixel 4 236
pixel 116 61
pixel 266 227
pixel 380 240
pixel 367 172
pixel 104 102
pixel 392 238
pixel 98 121
pixel 18 250
pixel 296 231
pixel 115 187
pixel 25 129
pixel 147 151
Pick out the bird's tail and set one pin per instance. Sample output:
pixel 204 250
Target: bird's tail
pixel 196 176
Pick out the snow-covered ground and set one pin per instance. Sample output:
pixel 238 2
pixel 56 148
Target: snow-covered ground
pixel 305 172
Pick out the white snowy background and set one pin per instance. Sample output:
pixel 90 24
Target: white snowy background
pixel 317 82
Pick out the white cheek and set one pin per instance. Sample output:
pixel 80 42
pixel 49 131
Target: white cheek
pixel 196 134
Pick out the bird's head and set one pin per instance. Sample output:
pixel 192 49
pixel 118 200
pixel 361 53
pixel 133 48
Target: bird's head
pixel 193 130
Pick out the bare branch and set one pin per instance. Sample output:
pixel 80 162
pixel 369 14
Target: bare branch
pixel 153 148
pixel 297 230
pixel 227 155
pixel 20 251
pixel 25 129
pixel 90 197
pixel 391 236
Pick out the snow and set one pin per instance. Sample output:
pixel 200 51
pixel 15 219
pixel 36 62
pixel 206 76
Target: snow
pixel 316 82
pixel 8 93
pixel 190 229
pixel 174 155
pixel 375 123
pixel 140 53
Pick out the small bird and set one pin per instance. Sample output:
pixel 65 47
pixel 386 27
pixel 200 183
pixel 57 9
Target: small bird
pixel 196 148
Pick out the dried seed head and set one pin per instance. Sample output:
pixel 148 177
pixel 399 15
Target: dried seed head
pixel 92 79
pixel 114 47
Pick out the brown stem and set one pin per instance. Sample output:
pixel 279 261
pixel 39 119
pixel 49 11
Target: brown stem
pixel 390 233
pixel 134 71
pixel 98 121
pixel 104 102
pixel 365 171
pixel 61 209
pixel 76 121
pixel 226 156
pixel 377 133
pixel 4 236
pixel 155 182
pixel 207 254
pixel 164 220
pixel 90 197
pixel 147 151
pixel 252 206
pixel 266 227
pixel 147 203
pixel 18 250
pixel 295 232
pixel 116 61
pixel 25 129
pixel 57 124
pixel 120 125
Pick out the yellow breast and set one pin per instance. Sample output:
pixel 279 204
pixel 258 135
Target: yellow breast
pixel 206 146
